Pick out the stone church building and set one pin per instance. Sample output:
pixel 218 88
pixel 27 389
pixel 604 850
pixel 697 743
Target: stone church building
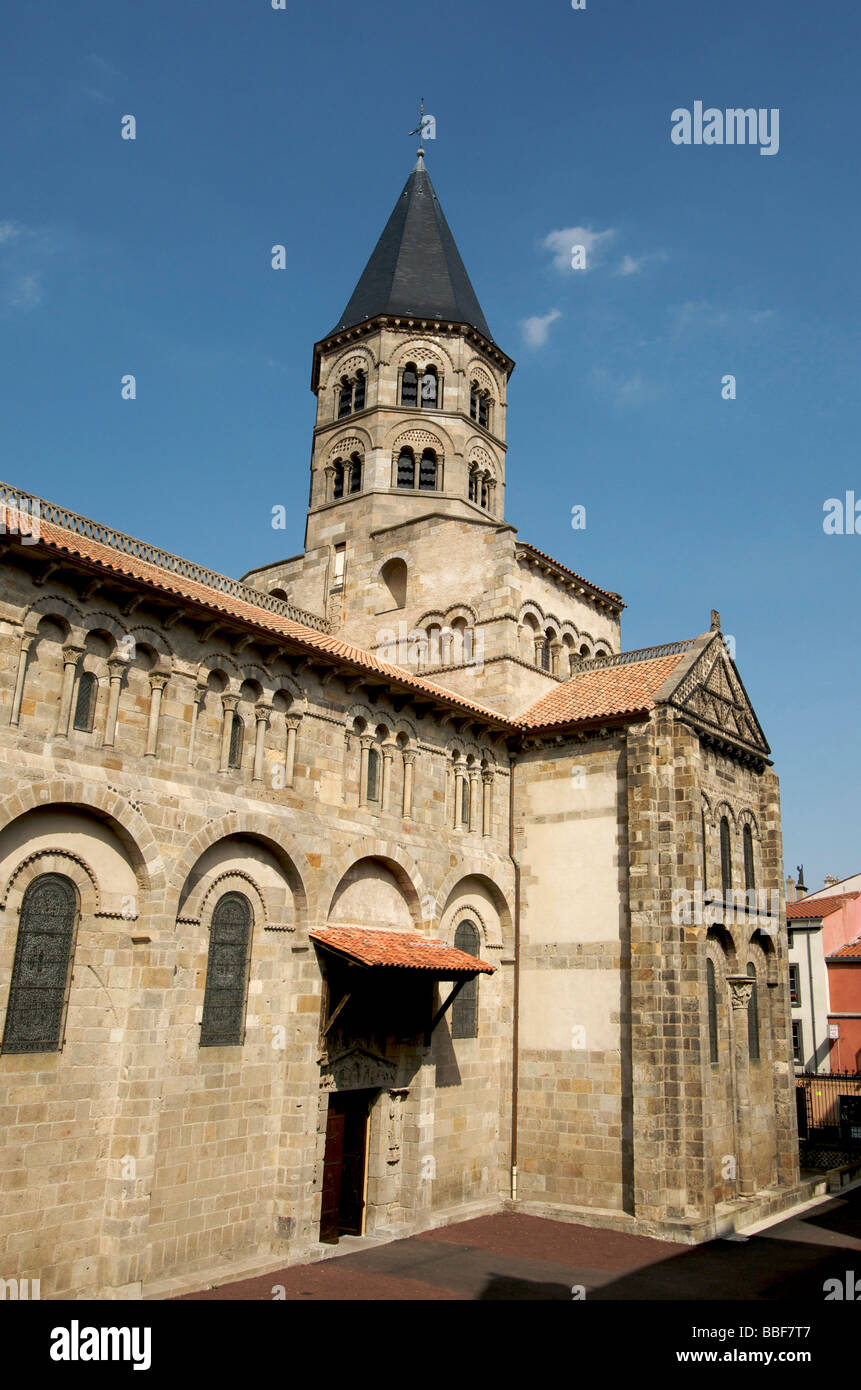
pixel 380 888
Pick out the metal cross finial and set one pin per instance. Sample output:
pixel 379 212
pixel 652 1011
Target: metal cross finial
pixel 418 132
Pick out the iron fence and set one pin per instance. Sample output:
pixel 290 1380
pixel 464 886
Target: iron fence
pixel 828 1107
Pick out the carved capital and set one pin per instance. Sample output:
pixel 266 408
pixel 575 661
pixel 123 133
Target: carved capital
pixel 230 701
pixel 740 990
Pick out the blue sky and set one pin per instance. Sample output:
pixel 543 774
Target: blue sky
pixel 257 127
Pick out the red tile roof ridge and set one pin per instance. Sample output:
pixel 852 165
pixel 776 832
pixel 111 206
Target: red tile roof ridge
pixel 403 949
pixel 822 907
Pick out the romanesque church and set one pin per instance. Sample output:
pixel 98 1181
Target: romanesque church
pixel 348 898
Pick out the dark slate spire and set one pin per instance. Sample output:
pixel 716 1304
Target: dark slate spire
pixel 415 269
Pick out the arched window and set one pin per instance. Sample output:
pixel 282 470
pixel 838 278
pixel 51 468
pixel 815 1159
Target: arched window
pixel 704 848
pixel 373 774
pixel 406 469
pixel 355 473
pixel 394 575
pixel 429 388
pixel 237 738
pixel 464 1010
pixel 485 490
pixel 345 398
pixel 338 479
pixel 545 654
pixel 712 1009
pixel 464 802
pixel 473 401
pixel 359 397
pixel 747 846
pixel 85 704
pixel 427 469
pixel 434 644
pixel 223 1023
pixel 42 966
pixel 473 485
pixel 409 385
pixel 725 859
pixel 753 1016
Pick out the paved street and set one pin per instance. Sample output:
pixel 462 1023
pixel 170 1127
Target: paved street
pixel 517 1257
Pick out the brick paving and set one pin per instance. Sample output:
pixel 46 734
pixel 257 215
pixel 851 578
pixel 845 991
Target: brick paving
pixel 517 1257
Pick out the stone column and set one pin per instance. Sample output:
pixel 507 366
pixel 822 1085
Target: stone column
pixel 387 778
pixel 329 474
pixel 555 649
pixel 292 722
pixel 27 640
pixel 539 650
pixel 474 774
pixel 741 988
pixel 366 740
pixel 158 680
pixel 117 669
pixel 197 698
pixel 486 802
pixel 459 774
pixel 409 763
pixel 261 716
pixel 71 657
pixel 229 704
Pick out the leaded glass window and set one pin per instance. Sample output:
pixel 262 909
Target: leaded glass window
pixel 712 1007
pixel 464 1010
pixel 725 858
pixel 237 736
pixel 373 775
pixel 753 1017
pixel 42 966
pixel 85 704
pixel 747 846
pixel 223 1022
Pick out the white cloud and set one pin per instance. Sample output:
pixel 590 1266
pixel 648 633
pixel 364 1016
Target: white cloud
pixel 631 265
pixel 561 243
pixel 25 292
pixel 8 232
pixel 626 392
pixel 536 329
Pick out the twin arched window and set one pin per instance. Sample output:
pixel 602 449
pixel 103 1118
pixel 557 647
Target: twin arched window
pixel 223 1022
pixel 351 394
pixel 346 476
pixel 464 1010
pixel 42 966
pixel 427 469
pixel 480 485
pixel 421 390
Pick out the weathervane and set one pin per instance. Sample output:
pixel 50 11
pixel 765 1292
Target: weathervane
pixel 420 131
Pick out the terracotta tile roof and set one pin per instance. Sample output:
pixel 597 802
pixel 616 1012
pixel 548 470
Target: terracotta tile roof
pixel 403 950
pixel 603 692
pixel 819 907
pixel 615 599
pixel 850 952
pixel 118 562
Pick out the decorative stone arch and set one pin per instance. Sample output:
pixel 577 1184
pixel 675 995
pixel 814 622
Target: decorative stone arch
pixel 55 606
pixel 477 371
pixel 267 830
pixel 416 438
pixel 394 857
pixel 359 442
pixel 129 826
pixel 216 659
pixel 762 950
pixel 353 359
pixel 252 671
pixel 408 729
pixel 200 903
pixel 286 682
pixel 722 809
pixel 747 817
pixel 706 807
pixel 100 621
pixel 50 860
pixel 150 637
pixel 424 353
pixel 479 458
pixel 474 868
pixel 531 609
pixel 461 610
pixel 358 711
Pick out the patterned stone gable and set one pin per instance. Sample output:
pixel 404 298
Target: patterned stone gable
pixel 712 697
